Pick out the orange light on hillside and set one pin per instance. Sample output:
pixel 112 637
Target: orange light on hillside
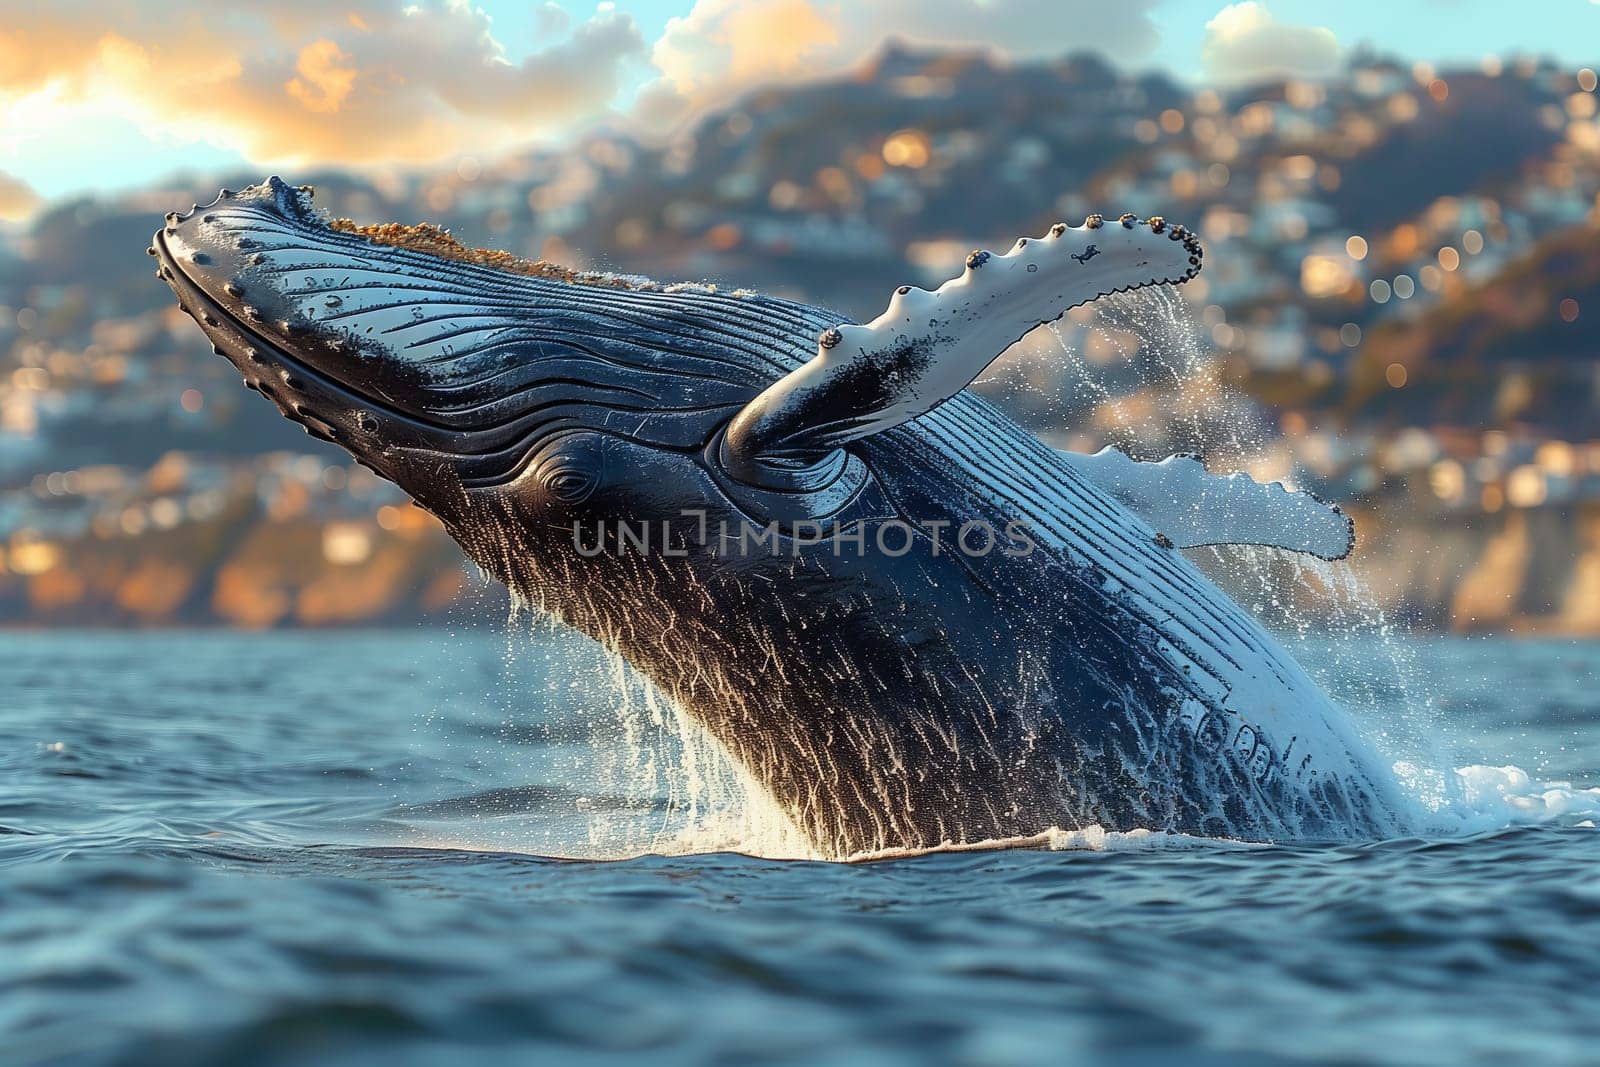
pixel 1557 458
pixel 1395 375
pixel 836 183
pixel 1403 107
pixel 1448 480
pixel 1403 243
pixel 1526 487
pixel 1569 310
pixel 345 544
pixel 1324 276
pixel 34 557
pixel 723 236
pixel 906 148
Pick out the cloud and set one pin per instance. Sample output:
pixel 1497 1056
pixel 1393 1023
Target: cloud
pixel 356 82
pixel 723 41
pixel 298 81
pixel 722 47
pixel 1244 43
pixel 552 17
pixel 17 200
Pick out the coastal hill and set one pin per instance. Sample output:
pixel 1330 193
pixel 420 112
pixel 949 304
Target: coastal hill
pixel 1402 278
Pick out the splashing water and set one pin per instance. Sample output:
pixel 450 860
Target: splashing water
pixel 712 803
pixel 654 781
pixel 1306 601
pixel 649 779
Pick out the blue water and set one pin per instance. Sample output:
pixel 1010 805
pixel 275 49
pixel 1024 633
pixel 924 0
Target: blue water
pixel 298 848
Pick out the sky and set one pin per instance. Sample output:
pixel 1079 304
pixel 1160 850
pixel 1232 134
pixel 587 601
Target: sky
pixel 106 94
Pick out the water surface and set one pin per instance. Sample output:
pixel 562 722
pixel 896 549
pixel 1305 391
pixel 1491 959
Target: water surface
pixel 334 848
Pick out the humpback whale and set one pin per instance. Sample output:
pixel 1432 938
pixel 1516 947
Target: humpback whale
pixel 912 621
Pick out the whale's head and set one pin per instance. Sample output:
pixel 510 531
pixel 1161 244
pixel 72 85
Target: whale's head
pixel 474 382
pixel 523 403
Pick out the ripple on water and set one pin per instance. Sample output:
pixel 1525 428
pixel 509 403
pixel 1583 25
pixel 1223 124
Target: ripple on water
pixel 240 874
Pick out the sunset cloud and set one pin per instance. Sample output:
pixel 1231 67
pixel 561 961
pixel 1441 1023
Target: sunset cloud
pixel 1244 42
pixel 297 81
pixel 725 46
pixel 17 200
pixel 291 83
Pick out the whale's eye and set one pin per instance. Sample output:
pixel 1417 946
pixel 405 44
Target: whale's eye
pixel 568 482
pixel 569 468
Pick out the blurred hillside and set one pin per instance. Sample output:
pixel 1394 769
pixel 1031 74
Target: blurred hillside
pixel 1402 278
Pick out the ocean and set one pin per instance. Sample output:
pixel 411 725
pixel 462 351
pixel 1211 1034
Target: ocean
pixel 431 846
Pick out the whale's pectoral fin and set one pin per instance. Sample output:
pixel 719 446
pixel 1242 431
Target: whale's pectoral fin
pixel 928 346
pixel 1191 507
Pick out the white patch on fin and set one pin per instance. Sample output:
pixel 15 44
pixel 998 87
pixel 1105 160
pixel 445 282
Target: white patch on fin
pixel 1192 507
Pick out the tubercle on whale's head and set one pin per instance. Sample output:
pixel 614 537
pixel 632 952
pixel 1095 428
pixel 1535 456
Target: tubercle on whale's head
pixel 225 261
